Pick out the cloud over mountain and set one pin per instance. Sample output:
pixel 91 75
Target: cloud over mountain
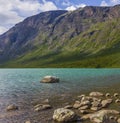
pixel 14 12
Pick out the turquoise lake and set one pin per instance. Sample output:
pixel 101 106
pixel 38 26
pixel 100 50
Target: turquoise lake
pixel 23 85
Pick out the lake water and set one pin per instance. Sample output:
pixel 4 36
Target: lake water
pixel 22 86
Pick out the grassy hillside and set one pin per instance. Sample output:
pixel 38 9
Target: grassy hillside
pixel 97 47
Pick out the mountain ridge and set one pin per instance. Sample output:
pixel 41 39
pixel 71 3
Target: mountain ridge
pixel 60 32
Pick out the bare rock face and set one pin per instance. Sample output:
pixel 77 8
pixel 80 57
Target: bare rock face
pixel 64 115
pixel 50 79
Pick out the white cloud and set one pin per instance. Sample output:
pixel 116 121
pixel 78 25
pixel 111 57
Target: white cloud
pixel 66 3
pixel 74 7
pixel 104 3
pixel 12 12
pixel 81 5
pixel 115 1
pixel 110 2
pixel 71 8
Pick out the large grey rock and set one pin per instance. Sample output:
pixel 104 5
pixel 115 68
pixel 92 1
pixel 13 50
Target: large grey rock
pixel 64 115
pixel 50 79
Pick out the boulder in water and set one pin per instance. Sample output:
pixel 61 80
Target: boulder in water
pixel 50 79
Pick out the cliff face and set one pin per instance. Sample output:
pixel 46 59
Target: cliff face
pixel 53 31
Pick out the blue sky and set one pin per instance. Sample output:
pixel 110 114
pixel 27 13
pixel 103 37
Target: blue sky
pixel 15 11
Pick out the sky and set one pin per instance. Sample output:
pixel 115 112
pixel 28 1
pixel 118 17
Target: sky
pixel 15 11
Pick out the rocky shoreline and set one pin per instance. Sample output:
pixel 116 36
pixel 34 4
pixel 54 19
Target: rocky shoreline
pixel 95 107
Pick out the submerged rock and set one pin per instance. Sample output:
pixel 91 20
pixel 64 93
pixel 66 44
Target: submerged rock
pixel 12 107
pixel 50 79
pixel 64 115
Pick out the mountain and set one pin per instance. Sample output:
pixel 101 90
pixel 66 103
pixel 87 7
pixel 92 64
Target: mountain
pixel 86 37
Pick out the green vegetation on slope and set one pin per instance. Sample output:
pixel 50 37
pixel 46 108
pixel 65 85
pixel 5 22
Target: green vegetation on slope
pixel 97 47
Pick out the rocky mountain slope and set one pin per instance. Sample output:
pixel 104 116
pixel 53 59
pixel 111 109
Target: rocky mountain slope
pixel 87 37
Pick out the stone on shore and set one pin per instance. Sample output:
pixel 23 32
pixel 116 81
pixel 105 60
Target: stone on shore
pixel 102 116
pixel 118 120
pixel 95 108
pixel 117 101
pixel 68 107
pixel 116 94
pixel 64 115
pixel 27 122
pixel 106 103
pixel 107 95
pixel 77 104
pixel 84 107
pixel 41 107
pixel 12 107
pixel 50 79
pixel 96 94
